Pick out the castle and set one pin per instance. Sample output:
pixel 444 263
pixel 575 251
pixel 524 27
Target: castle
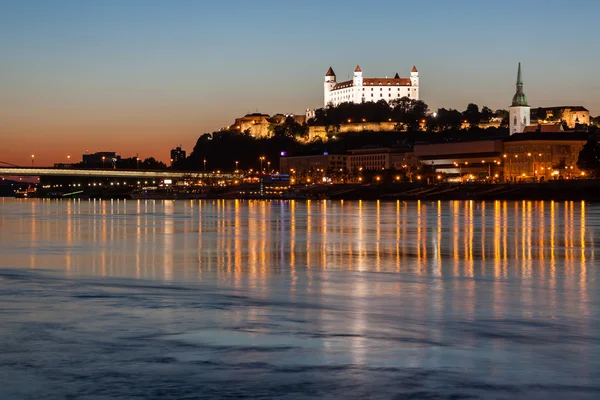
pixel 362 90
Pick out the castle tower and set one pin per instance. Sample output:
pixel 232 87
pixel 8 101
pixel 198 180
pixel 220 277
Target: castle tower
pixel 357 80
pixel 328 85
pixel 414 77
pixel 520 115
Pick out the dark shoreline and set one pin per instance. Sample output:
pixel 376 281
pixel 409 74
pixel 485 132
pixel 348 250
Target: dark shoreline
pixel 559 190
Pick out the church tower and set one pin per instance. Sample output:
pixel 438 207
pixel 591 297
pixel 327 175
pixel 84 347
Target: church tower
pixel 329 84
pixel 520 116
pixel 357 80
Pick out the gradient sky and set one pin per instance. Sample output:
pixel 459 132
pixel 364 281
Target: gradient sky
pixel 142 76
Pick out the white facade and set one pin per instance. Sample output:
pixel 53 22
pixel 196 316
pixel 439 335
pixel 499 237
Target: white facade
pixel 362 90
pixel 519 119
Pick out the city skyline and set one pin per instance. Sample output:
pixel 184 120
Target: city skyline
pixel 140 77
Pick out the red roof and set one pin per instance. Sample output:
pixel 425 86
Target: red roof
pixel 376 82
pixel 330 72
pixel 414 69
pixel 386 81
pixel 341 85
pixel 358 69
pixel 544 128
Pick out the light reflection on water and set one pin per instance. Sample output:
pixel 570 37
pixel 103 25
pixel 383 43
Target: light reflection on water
pixel 415 299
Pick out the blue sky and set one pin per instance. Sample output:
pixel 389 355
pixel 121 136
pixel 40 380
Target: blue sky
pixel 140 76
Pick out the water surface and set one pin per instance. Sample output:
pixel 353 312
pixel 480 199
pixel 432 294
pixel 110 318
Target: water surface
pixel 333 299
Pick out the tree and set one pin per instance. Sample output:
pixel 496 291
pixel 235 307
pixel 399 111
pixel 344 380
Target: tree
pixel 486 114
pixel 472 115
pixel 409 112
pixel 152 163
pixel 502 116
pixel 589 158
pixel 448 119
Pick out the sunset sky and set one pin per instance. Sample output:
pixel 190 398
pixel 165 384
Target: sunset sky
pixel 142 76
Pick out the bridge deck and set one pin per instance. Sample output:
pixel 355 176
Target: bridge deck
pixel 114 173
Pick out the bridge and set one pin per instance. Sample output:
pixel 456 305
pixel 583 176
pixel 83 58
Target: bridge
pixel 115 173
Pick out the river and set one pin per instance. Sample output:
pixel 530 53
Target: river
pixel 299 299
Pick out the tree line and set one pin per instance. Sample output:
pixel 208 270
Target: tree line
pixel 408 114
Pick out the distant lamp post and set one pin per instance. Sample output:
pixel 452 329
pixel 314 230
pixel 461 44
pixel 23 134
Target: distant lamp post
pixel 269 166
pixel 32 160
pixel 261 158
pixel 205 165
pixel 236 166
pixel 68 158
pixel 103 158
pixel 137 161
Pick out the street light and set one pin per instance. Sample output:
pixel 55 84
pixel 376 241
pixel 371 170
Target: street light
pixel 32 162
pixel 268 166
pixel 236 166
pixel 205 165
pixel 103 158
pixel 261 158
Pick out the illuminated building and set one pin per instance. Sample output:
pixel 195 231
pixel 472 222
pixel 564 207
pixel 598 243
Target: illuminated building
pixel 353 160
pixel 361 90
pixel 542 155
pixel 570 115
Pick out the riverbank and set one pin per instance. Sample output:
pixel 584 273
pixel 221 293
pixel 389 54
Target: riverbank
pixel 553 190
pixel 588 190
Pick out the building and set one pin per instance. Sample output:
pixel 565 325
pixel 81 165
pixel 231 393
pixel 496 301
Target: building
pixel 571 115
pixel 366 159
pixel 261 125
pixel 521 114
pixel 177 155
pixel 305 164
pixel 474 159
pixel 519 111
pixel 361 90
pixel 542 155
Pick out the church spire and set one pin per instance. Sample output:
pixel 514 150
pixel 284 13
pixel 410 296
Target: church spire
pixel 519 99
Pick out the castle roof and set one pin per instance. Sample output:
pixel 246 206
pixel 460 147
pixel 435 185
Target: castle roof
pixel 414 69
pixel 330 72
pixel 387 81
pixel 375 82
pixel 396 76
pixel 358 69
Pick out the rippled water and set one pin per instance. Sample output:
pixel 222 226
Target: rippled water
pixel 250 299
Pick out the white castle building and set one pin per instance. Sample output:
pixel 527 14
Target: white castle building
pixel 361 90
